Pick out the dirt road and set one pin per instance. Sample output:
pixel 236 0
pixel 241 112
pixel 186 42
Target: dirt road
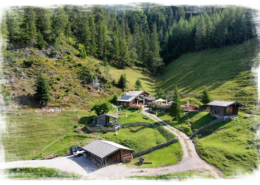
pixel 190 162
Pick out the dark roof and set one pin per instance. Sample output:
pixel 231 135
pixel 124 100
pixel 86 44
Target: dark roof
pixel 149 98
pixel 224 103
pixel 103 148
pixel 109 115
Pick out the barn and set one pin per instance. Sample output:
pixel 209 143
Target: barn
pixel 225 109
pixel 104 153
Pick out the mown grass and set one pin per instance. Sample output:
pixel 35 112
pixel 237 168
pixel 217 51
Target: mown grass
pixel 232 146
pixel 137 138
pixel 165 156
pixel 28 133
pixel 226 72
pixel 132 116
pixel 47 174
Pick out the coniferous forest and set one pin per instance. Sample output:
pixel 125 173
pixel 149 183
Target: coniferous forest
pixel 148 35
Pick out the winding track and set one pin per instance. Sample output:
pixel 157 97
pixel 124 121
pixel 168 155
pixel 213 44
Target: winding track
pixel 190 162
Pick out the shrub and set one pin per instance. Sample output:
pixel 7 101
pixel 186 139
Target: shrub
pixel 58 78
pixel 79 64
pixel 28 63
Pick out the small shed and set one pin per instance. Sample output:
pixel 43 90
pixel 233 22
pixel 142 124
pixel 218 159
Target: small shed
pixel 224 108
pixel 107 152
pixel 104 119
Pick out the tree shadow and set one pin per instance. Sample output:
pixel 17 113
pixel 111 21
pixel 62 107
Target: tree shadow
pixel 27 100
pixel 86 120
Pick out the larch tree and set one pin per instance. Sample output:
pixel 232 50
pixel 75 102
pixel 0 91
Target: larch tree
pixel 42 90
pixel 175 108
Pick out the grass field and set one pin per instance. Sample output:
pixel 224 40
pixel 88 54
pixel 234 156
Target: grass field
pixel 226 72
pixel 132 74
pixel 46 174
pixel 28 133
pixel 232 146
pixel 133 116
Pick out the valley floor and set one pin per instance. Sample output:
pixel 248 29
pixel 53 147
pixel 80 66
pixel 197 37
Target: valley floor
pixel 190 162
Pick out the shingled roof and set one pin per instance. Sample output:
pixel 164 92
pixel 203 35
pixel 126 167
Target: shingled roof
pixel 223 103
pixel 103 148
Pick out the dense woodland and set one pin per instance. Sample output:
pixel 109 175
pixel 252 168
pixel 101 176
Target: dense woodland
pixel 152 36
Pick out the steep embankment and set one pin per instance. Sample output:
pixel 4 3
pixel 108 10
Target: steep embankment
pixel 226 72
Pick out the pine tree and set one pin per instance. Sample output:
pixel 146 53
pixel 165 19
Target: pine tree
pixel 83 52
pixel 205 98
pixel 30 26
pixel 122 81
pixel 3 32
pixel 175 108
pixel 41 42
pixel 138 85
pixel 154 54
pixel 42 89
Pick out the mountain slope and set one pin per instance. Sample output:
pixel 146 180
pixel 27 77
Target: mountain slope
pixel 226 72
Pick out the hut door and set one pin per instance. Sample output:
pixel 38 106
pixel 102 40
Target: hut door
pixel 116 157
pixel 230 110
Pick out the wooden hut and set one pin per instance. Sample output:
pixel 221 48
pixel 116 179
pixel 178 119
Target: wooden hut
pixel 225 109
pixel 107 152
pixel 104 119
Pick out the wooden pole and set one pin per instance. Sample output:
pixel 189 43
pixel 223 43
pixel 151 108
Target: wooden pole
pixel 106 161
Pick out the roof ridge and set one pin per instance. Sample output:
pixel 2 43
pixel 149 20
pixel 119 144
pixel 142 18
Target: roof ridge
pixel 108 143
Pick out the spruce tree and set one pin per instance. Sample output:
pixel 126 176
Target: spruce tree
pixel 3 32
pixel 122 81
pixel 138 85
pixel 205 98
pixel 83 52
pixel 175 108
pixel 42 89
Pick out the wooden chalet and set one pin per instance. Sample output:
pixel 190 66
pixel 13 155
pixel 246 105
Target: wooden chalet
pixel 135 98
pixel 104 119
pixel 225 109
pixel 103 152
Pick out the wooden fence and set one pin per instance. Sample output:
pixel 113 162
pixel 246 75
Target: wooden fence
pixel 101 128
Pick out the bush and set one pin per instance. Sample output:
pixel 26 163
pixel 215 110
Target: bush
pixel 58 78
pixel 79 64
pixel 28 63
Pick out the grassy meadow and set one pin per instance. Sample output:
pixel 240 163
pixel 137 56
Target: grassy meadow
pixel 226 72
pixel 232 147
pixel 47 174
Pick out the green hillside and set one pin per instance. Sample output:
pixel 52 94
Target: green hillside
pixel 226 72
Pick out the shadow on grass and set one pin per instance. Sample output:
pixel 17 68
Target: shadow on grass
pixel 204 120
pixel 86 120
pixel 213 128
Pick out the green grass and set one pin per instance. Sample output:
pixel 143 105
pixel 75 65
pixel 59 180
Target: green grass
pixel 47 174
pixel 28 133
pixel 199 119
pixel 232 146
pixel 137 138
pixel 226 72
pixel 176 176
pixel 133 74
pixel 132 116
pixel 37 174
pixel 165 156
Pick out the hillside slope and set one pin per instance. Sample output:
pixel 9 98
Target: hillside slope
pixel 226 72
pixel 69 77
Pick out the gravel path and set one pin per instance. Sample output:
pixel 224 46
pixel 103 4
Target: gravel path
pixel 190 162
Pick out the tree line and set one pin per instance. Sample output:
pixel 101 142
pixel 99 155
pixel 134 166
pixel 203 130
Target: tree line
pixel 151 37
